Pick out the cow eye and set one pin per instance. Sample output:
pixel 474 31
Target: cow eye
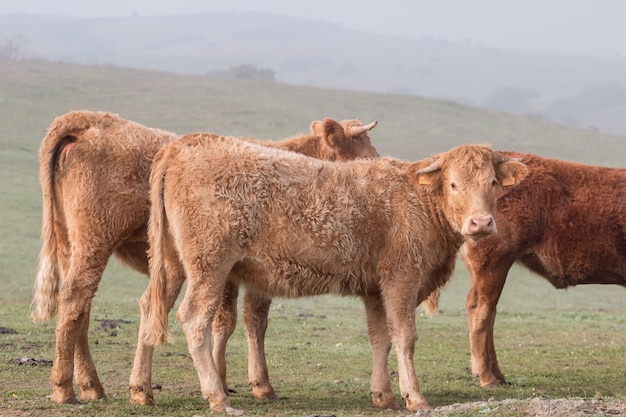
pixel 494 183
pixel 453 186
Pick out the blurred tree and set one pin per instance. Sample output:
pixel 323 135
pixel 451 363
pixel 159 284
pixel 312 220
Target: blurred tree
pixel 591 98
pixel 246 72
pixel 11 48
pixel 511 99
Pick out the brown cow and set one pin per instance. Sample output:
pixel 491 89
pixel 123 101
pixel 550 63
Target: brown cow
pixel 94 171
pixel 290 226
pixel 566 222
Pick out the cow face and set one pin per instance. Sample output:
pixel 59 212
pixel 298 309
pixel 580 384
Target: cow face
pixel 348 140
pixel 467 180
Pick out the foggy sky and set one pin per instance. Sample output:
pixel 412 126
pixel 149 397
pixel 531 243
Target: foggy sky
pixel 582 27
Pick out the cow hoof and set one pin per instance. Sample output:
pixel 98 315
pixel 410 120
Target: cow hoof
pixel 226 408
pixel 493 383
pixel 89 394
pixel 264 394
pixel 142 400
pixel 385 400
pixel 138 396
pixel 62 399
pixel 418 406
pixel 234 412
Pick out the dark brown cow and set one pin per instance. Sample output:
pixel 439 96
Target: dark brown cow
pixel 566 222
pixel 94 170
pixel 290 226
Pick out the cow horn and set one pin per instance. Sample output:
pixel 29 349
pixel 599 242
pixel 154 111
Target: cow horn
pixel 357 130
pixel 502 159
pixel 435 166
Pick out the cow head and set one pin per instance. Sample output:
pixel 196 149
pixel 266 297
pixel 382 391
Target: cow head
pixel 467 180
pixel 345 141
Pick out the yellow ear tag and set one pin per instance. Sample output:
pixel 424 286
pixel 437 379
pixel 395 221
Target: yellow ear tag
pixel 425 180
pixel 508 181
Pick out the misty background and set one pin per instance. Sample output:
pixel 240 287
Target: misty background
pixel 560 60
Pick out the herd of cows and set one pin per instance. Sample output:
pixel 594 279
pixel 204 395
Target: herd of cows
pixel 314 214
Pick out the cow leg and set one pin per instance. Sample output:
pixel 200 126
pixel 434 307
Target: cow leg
pixel 63 364
pixel 85 372
pixel 482 300
pixel 60 377
pixel 380 385
pixel 401 321
pixel 205 290
pixel 74 302
pixel 224 324
pixel 141 374
pixel 256 312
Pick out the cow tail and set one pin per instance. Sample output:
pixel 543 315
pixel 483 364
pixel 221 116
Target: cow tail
pixel 157 330
pixel 48 277
pixel 431 304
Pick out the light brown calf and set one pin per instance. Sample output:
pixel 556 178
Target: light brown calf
pixel 94 170
pixel 330 142
pixel 290 226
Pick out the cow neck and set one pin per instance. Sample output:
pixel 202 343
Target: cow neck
pixel 306 145
pixel 446 232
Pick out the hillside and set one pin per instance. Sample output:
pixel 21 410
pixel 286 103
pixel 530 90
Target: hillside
pixel 32 94
pixel 578 91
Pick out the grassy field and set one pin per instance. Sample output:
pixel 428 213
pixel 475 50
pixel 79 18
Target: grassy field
pixel 551 344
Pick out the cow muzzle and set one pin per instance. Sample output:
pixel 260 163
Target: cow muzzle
pixel 477 227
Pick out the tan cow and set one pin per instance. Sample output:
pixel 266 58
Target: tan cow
pixel 335 143
pixel 94 171
pixel 290 226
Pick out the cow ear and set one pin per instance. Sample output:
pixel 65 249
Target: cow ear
pixel 511 173
pixel 333 133
pixel 317 128
pixel 425 172
pixel 426 178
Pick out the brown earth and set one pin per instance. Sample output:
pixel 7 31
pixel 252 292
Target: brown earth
pixel 537 407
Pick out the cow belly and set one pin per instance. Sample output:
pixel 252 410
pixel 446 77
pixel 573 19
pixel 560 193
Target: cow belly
pixel 289 279
pixel 570 273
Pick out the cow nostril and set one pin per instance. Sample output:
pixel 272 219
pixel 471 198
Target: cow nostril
pixel 479 226
pixel 480 223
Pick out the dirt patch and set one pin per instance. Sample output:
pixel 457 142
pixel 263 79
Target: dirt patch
pixel 309 315
pixel 25 360
pixel 111 324
pixel 6 330
pixel 537 407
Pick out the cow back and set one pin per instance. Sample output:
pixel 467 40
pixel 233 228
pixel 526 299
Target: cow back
pixel 566 222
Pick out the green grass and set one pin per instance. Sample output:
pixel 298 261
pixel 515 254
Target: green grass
pixel 553 344
pixel 319 359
